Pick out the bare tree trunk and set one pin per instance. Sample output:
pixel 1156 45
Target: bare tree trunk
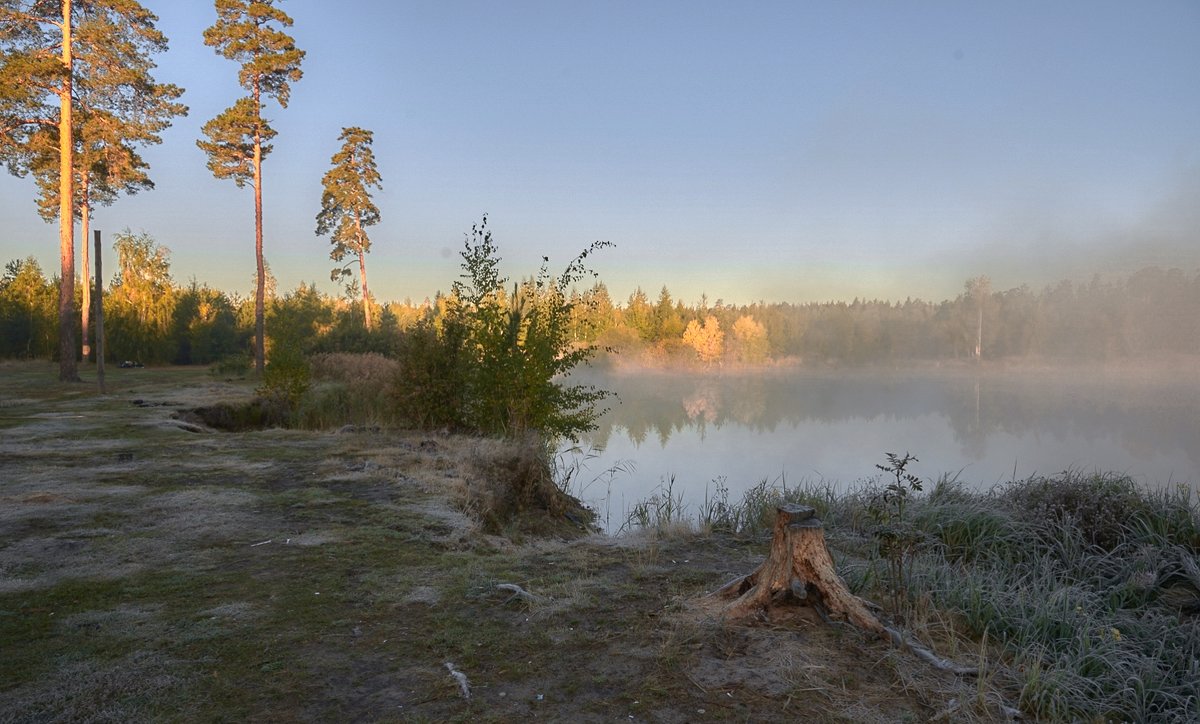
pixel 260 286
pixel 979 334
pixel 85 212
pixel 68 371
pixel 798 570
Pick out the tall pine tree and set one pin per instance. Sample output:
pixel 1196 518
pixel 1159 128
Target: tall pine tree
pixel 71 69
pixel 347 209
pixel 35 80
pixel 113 65
pixel 248 32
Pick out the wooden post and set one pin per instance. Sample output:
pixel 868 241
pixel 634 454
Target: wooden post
pixel 798 570
pixel 98 301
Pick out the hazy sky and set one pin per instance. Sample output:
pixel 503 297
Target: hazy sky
pixel 787 151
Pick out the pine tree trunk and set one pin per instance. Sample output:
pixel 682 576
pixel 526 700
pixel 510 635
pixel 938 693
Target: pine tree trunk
pixel 362 270
pixel 366 296
pixel 260 286
pixel 797 571
pixel 68 371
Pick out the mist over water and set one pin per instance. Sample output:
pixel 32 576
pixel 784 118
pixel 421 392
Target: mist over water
pixel 988 425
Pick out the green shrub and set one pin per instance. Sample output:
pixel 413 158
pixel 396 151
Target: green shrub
pixel 285 379
pixel 429 390
pixel 232 365
pixel 495 362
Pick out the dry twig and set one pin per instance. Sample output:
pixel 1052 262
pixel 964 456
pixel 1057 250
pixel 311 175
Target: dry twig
pixel 933 659
pixel 461 678
pixel 518 592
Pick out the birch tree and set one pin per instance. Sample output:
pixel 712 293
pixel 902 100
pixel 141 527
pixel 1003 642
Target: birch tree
pixel 707 339
pixel 140 305
pixel 979 289
pixel 347 209
pixel 751 338
pixel 238 139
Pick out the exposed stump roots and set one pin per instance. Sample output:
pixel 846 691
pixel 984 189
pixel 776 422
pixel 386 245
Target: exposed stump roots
pixel 798 569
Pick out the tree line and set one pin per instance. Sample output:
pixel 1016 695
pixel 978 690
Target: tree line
pixel 1151 311
pixel 153 319
pixel 79 99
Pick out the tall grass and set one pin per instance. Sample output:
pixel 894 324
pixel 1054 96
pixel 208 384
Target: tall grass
pixel 347 389
pixel 512 488
pixel 572 473
pixel 1089 584
pixel 1086 586
pixel 664 510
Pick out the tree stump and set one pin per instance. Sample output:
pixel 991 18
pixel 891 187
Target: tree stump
pixel 798 570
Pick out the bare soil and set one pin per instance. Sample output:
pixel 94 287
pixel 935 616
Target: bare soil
pixel 154 569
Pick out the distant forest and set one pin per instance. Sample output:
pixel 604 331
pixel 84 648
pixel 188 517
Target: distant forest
pixel 154 320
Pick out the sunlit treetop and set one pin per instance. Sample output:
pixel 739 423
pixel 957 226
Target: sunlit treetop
pixel 246 32
pixel 346 205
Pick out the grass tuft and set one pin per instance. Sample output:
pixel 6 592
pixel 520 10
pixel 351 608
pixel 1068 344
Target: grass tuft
pixel 511 489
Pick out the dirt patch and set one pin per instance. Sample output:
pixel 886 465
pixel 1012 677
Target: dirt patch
pixel 257 414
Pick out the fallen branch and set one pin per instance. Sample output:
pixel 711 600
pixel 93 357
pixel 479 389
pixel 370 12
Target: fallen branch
pixel 518 592
pixel 261 543
pixel 898 639
pixel 953 712
pixel 461 678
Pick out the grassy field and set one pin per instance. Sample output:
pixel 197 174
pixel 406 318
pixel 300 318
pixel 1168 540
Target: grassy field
pixel 152 568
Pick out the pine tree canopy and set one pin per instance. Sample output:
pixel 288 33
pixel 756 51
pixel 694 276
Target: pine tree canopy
pixel 118 104
pixel 230 147
pixel 346 205
pixel 244 33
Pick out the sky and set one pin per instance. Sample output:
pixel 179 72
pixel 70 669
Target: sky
pixel 778 151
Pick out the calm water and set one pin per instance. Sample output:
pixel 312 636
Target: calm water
pixel 834 427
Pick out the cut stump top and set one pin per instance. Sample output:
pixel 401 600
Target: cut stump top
pixel 794 514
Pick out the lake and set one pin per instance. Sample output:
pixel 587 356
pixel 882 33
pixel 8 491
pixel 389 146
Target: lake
pixel 987 425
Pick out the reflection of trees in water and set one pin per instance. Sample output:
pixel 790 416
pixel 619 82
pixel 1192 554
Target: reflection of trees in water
pixel 748 402
pixel 1146 418
pixel 641 412
pixel 703 404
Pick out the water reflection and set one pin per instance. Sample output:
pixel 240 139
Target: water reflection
pixel 994 424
